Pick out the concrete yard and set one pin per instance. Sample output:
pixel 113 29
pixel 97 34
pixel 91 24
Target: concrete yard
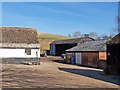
pixel 51 74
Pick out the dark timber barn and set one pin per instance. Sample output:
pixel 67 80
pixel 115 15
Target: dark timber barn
pixel 92 53
pixel 58 47
pixel 113 55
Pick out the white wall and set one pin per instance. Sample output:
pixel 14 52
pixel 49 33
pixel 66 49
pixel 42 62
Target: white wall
pixel 18 53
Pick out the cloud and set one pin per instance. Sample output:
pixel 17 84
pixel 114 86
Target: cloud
pixel 55 10
pixel 94 8
pixel 18 19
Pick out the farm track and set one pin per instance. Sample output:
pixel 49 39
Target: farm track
pixel 50 74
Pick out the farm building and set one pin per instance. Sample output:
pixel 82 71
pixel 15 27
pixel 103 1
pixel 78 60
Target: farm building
pixel 58 47
pixel 19 45
pixel 113 55
pixel 92 53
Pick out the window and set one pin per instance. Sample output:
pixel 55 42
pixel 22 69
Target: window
pixel 28 51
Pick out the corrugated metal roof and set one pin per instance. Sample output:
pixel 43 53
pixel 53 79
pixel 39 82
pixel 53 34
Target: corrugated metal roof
pixel 70 41
pixel 90 46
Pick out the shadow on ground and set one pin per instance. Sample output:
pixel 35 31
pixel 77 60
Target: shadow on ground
pixel 96 74
pixel 60 61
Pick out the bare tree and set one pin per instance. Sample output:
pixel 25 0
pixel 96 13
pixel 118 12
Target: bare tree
pixel 76 34
pixel 104 37
pixel 69 35
pixel 93 35
pixel 118 21
pixel 82 35
pixel 117 28
pixel 86 35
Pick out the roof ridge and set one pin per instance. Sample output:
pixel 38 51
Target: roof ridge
pixel 16 27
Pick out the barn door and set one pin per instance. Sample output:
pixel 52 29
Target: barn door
pixel 52 50
pixel 78 58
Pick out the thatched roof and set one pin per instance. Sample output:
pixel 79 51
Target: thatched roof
pixel 90 46
pixel 72 41
pixel 18 35
pixel 114 40
pixel 20 45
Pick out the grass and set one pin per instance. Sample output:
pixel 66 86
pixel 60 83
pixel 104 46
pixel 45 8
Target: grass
pixel 52 36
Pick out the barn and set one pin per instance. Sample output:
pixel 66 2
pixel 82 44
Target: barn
pixel 58 47
pixel 113 55
pixel 92 53
pixel 19 45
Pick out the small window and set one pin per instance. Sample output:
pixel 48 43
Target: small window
pixel 28 51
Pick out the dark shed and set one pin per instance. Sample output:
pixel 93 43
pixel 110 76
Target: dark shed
pixel 113 55
pixel 58 47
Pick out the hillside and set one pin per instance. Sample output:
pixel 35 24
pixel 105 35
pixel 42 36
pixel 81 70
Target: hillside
pixel 46 38
pixel 51 36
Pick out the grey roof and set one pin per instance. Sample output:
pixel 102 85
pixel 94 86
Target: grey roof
pixel 74 40
pixel 90 46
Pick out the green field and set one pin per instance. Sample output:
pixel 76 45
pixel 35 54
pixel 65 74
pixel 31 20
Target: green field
pixel 52 36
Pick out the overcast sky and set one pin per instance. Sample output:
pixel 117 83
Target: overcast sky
pixel 62 17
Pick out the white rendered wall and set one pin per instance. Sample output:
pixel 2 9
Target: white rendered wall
pixel 18 53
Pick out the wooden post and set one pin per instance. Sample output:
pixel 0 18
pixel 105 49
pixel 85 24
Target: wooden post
pixel 38 59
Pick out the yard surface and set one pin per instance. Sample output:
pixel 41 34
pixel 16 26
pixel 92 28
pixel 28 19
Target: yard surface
pixel 52 74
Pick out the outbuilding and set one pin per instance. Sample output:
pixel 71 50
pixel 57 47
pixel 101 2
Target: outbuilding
pixel 92 53
pixel 18 45
pixel 58 47
pixel 113 55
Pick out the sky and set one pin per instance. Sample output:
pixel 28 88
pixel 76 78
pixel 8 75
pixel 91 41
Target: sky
pixel 62 18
